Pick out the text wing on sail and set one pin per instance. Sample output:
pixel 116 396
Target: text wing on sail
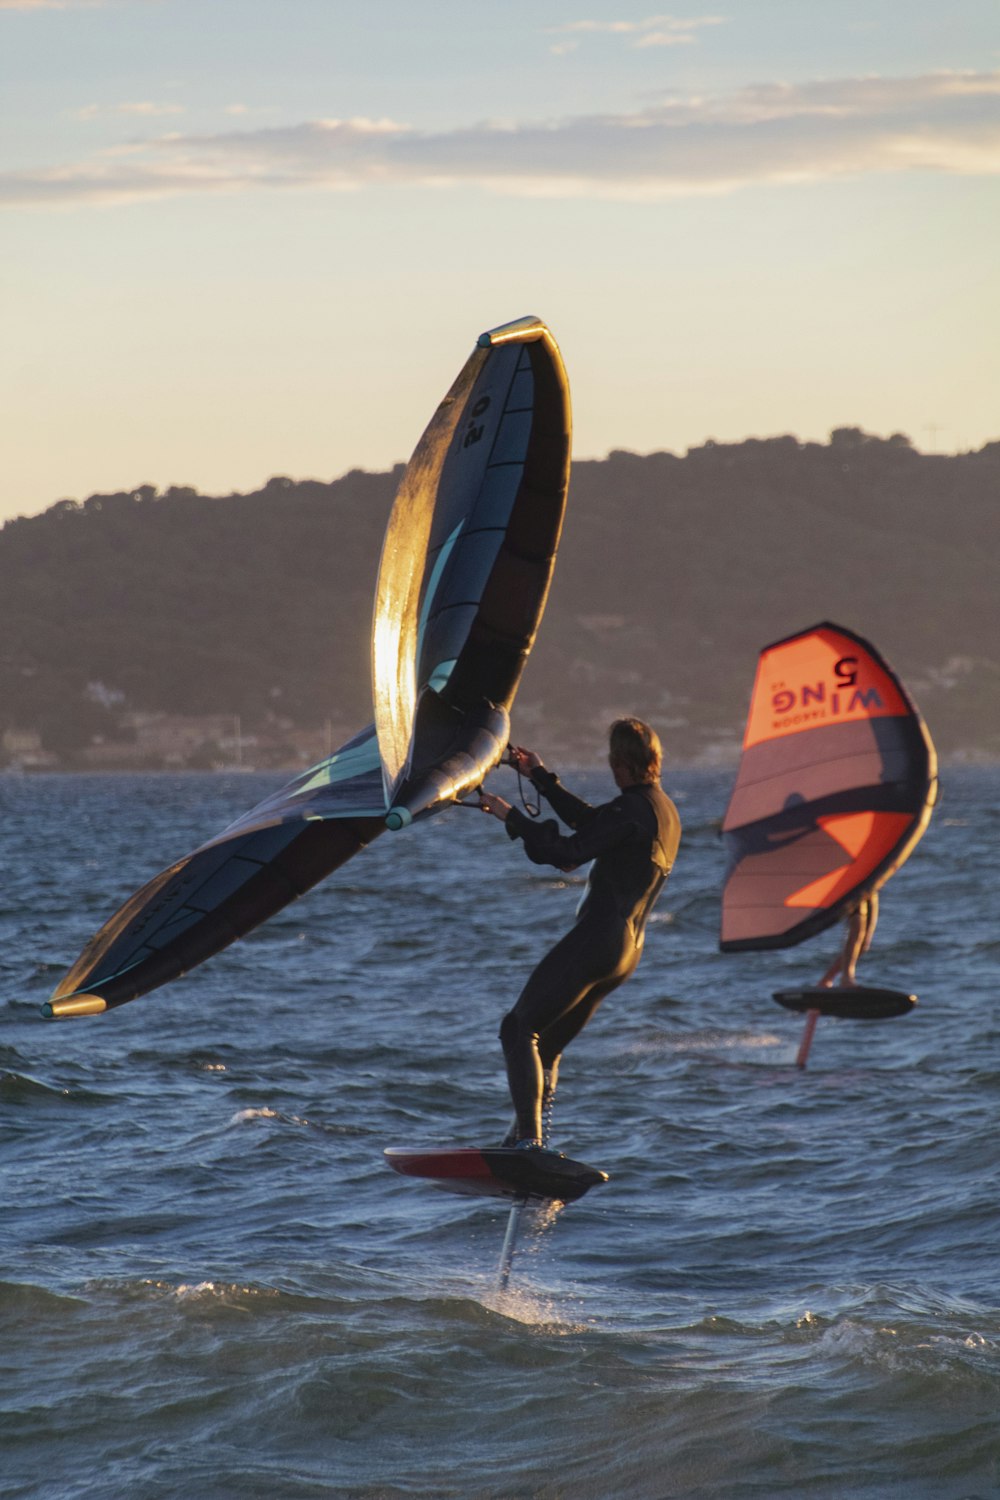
pixel 836 783
pixel 489 533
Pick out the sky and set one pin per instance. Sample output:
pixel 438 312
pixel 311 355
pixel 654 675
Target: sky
pixel 245 238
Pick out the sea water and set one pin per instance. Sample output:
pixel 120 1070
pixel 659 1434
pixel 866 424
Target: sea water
pixel 211 1286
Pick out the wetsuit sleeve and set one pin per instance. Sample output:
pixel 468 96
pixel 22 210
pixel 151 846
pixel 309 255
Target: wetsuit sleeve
pixel 574 812
pixel 545 845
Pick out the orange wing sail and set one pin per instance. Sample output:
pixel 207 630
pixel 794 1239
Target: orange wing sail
pixel 836 784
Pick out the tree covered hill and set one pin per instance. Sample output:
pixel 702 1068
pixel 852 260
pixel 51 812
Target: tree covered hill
pixel 672 573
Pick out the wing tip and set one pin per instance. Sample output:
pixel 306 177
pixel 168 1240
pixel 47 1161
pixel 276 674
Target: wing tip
pixel 526 328
pixel 74 1005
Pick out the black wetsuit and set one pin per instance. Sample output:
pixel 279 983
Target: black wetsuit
pixel 633 842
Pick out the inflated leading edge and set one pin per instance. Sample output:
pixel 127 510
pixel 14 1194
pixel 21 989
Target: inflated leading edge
pixel 464 576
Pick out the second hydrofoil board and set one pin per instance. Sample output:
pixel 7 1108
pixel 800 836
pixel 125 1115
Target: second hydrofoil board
pixel 863 1003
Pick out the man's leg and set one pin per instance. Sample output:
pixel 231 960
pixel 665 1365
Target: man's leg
pixel 853 944
pixel 559 998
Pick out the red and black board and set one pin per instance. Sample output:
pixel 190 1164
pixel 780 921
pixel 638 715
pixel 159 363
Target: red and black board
pixel 497 1171
pixel 863 1003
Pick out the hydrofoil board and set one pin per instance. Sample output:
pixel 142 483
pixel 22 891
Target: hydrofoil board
pixel 498 1171
pixel 865 1003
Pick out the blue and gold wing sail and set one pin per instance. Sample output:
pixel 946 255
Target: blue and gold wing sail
pixel 465 571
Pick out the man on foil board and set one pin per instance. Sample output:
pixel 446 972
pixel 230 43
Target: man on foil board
pixel 632 841
pixel 466 564
pixel 836 785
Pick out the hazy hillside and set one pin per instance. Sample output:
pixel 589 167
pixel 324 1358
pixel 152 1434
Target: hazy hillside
pixel 672 572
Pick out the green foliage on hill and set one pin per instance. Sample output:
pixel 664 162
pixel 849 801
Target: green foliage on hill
pixel 672 573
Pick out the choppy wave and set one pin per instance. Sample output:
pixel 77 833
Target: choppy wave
pixel 210 1285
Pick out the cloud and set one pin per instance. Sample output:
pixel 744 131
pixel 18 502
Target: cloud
pixel 143 107
pixel 765 134
pixel 664 39
pixel 250 109
pixel 654 31
pixel 51 4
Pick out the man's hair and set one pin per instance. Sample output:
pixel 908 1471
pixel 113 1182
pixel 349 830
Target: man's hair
pixel 636 747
